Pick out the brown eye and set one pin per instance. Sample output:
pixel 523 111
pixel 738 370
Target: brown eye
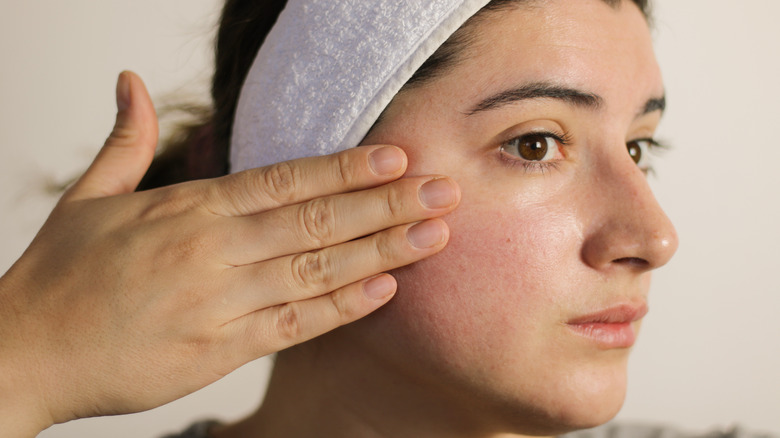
pixel 639 151
pixel 635 151
pixel 532 147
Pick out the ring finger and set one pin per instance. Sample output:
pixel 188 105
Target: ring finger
pixel 306 275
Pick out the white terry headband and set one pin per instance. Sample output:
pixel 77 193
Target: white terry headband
pixel 328 69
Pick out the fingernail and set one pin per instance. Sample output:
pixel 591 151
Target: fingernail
pixel 123 91
pixel 438 193
pixel 386 161
pixel 425 234
pixel 378 288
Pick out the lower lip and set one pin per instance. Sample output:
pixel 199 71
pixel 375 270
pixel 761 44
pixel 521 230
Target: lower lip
pixel 607 335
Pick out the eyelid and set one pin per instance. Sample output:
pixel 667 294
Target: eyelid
pixel 518 126
pixel 657 146
pixel 551 129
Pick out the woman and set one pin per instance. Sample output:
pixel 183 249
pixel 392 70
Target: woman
pixel 523 319
pixel 526 152
pixel 693 136
pixel 544 114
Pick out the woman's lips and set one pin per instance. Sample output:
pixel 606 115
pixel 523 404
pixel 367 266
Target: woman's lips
pixel 612 327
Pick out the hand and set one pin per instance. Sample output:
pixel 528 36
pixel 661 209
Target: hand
pixel 127 300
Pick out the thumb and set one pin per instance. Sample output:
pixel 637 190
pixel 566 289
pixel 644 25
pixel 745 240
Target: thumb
pixel 128 151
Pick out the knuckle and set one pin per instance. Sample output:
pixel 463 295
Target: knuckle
pixel 384 247
pixel 310 271
pixel 122 135
pixel 240 188
pixel 191 247
pixel 282 181
pixel 341 304
pixel 200 345
pixel 289 322
pixel 394 201
pixel 165 203
pixel 318 220
pixel 344 171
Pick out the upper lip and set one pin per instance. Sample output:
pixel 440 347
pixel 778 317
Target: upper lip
pixel 619 314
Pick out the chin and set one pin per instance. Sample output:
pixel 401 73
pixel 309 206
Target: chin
pixel 583 399
pixel 589 413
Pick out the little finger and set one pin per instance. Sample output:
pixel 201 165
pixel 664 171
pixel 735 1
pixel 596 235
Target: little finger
pixel 270 330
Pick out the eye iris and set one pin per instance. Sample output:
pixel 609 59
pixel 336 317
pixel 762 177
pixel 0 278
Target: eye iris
pixel 533 147
pixel 635 151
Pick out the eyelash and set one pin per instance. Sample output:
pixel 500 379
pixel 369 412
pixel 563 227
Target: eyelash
pixel 562 139
pixel 653 147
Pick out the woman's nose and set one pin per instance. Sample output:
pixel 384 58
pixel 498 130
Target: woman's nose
pixel 626 226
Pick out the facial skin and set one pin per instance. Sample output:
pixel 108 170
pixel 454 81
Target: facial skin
pixel 480 335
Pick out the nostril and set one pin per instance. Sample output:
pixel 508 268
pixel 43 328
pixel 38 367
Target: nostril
pixel 633 261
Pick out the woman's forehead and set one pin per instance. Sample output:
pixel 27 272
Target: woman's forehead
pixel 585 45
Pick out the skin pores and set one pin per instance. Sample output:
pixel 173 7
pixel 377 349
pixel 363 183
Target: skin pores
pixel 508 329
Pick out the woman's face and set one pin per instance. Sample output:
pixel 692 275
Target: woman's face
pixel 532 307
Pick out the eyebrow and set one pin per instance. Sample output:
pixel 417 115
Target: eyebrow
pixel 538 90
pixel 654 104
pixel 543 90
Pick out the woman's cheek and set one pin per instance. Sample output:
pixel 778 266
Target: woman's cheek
pixel 500 280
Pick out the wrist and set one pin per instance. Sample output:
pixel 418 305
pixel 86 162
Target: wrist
pixel 19 416
pixel 23 411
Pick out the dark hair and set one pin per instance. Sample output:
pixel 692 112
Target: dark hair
pixel 201 150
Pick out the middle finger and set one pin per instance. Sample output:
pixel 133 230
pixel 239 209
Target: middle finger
pixel 331 220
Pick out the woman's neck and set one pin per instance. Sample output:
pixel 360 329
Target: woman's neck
pixel 319 389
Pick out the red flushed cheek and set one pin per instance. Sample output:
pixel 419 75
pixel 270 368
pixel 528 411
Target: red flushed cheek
pixel 501 279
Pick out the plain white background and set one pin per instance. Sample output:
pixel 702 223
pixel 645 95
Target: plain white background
pixel 709 354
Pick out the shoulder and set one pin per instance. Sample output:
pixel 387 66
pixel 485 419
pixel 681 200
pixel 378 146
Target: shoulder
pixel 629 430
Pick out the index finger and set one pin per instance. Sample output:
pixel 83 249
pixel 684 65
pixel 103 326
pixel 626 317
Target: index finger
pixel 291 182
